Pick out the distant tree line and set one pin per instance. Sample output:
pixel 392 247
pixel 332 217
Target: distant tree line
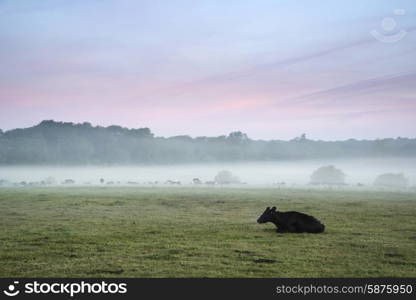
pixel 53 142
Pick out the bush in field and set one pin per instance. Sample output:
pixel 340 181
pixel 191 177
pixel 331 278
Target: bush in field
pixel 226 177
pixel 49 180
pixel 396 180
pixel 328 175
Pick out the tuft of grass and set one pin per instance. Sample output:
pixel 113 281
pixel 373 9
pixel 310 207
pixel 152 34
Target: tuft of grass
pixel 198 232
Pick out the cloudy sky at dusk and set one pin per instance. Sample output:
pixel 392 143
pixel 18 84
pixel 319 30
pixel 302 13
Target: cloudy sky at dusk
pixel 273 69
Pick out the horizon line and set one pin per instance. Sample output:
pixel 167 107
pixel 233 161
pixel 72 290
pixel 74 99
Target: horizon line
pixel 299 137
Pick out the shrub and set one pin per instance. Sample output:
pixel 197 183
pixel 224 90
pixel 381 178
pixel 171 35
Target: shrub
pixel 328 175
pixel 396 180
pixel 226 177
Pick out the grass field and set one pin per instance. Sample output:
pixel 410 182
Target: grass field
pixel 193 232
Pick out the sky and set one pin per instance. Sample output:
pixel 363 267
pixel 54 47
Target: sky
pixel 273 69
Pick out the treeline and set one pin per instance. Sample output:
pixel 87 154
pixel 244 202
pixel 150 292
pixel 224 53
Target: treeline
pixel 53 142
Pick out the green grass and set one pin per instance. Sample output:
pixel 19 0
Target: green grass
pixel 192 232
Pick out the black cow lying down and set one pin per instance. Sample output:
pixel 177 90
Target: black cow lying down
pixel 291 221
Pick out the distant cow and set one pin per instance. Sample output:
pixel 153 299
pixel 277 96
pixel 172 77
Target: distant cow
pixel 291 221
pixel 281 184
pixel 173 182
pixel 68 181
pixel 196 181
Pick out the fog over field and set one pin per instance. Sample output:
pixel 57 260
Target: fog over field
pixel 297 172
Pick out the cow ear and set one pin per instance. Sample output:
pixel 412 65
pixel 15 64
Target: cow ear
pixel 267 208
pixel 274 208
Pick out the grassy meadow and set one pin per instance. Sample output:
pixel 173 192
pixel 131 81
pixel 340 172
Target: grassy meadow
pixel 202 232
